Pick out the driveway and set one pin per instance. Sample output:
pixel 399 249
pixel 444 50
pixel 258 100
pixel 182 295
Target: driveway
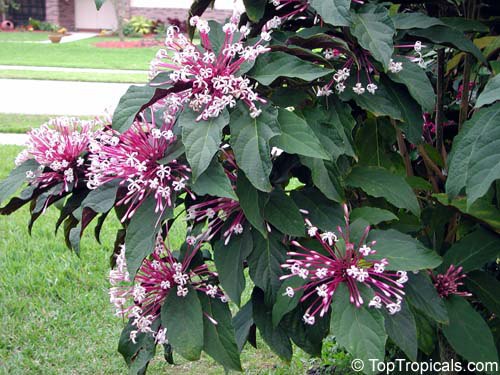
pixel 59 97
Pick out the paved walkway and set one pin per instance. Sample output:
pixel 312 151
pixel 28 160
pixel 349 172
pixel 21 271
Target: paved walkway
pixel 72 70
pixel 59 97
pixel 13 139
pixel 73 37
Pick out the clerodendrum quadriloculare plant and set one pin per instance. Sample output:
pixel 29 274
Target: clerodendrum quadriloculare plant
pixel 345 153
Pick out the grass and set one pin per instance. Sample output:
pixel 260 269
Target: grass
pixel 23 36
pixel 17 123
pixel 74 76
pixel 56 317
pixel 78 54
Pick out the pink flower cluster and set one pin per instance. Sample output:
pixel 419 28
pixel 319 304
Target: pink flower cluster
pixel 216 211
pixel 360 63
pixel 342 261
pixel 211 76
pixel 135 158
pixel 59 146
pixel 160 274
pixel 448 283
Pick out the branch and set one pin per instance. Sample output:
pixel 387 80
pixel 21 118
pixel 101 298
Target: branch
pixel 440 99
pixel 403 151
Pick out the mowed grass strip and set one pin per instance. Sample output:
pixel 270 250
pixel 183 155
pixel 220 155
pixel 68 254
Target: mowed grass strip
pixel 19 123
pixel 56 315
pixel 75 76
pixel 78 54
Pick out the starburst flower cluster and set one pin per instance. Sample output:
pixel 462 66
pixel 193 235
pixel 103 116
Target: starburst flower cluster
pixel 447 284
pixel 361 63
pixel 211 76
pixel 159 275
pixel 342 261
pixel 135 159
pixel 59 146
pixel 217 211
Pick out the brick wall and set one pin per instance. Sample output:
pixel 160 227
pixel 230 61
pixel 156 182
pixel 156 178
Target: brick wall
pixel 61 12
pixel 181 14
pixel 67 14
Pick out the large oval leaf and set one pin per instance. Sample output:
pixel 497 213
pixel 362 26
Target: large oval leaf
pixel 402 251
pixel 474 162
pixel 183 318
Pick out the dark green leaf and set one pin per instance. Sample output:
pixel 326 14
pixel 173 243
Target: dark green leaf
pixel 252 203
pixel 201 139
pixel 250 141
pixel 323 213
pixel 481 209
pixel 101 199
pixel 402 251
pixel 275 337
pixel 219 339
pixel 99 3
pixel 473 251
pixel 265 262
pixel 410 110
pixel 242 323
pixel 422 295
pixel 378 182
pixel 216 36
pixel 360 330
pixel 474 162
pixel 379 104
pixel 183 318
pixel 414 20
pixel 449 37
pixel 402 329
pixel 229 263
pixel 373 215
pixel 296 136
pixel 325 176
pixel 333 128
pixel 128 106
pixel 334 12
pixel 374 29
pixel 284 304
pixel 282 212
pixel 426 333
pixel 417 83
pixel 214 181
pixel 490 93
pixel 272 65
pixel 486 288
pixel 468 333
pixel 465 25
pixel 141 233
pixel 307 337
pixel 16 179
pixel 255 9
pixel 138 355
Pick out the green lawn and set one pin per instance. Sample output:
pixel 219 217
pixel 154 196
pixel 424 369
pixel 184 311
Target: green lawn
pixel 72 76
pixel 23 36
pixel 56 316
pixel 79 54
pixel 17 123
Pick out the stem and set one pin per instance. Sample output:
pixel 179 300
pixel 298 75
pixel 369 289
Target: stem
pixel 440 99
pixel 464 103
pixel 403 151
pixel 430 164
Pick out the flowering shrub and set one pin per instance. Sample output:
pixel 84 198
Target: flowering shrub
pixel 343 155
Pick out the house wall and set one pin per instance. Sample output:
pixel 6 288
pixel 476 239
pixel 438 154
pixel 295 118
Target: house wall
pixel 181 14
pixel 62 12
